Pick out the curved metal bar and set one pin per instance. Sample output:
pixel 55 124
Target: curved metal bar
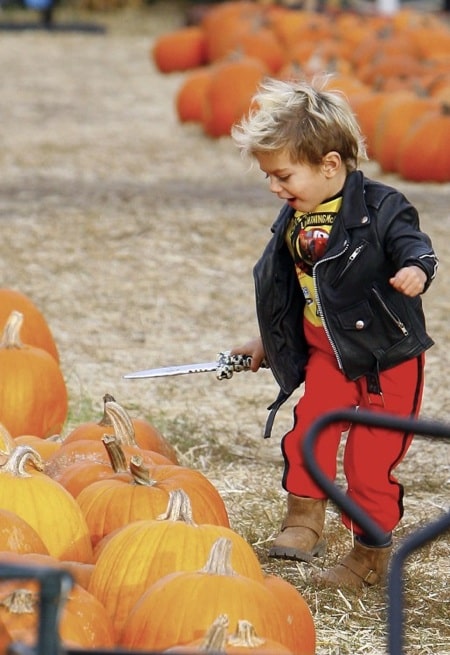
pixel 423 427
pixel 54 586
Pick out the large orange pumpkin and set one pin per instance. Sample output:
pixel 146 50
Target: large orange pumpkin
pixel 181 606
pixel 35 330
pixel 140 553
pixel 33 394
pixel 45 505
pixel 113 503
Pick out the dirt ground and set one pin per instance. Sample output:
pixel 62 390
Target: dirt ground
pixel 136 237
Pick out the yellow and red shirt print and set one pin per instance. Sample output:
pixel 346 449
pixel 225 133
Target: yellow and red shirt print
pixel 307 238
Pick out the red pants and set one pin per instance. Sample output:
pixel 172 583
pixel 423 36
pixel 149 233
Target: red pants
pixel 371 453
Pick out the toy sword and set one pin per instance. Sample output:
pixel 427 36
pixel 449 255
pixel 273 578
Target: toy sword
pixel 224 367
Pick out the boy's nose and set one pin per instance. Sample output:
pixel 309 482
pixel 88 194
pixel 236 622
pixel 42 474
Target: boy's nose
pixel 274 185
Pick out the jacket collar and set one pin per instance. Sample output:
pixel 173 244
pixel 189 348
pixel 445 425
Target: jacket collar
pixel 354 210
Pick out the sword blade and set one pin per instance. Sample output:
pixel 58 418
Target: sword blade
pixel 166 371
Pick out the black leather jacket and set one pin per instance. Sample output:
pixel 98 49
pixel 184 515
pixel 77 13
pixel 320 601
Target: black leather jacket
pixel 370 326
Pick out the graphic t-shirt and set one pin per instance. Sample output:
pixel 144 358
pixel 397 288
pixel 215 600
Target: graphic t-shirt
pixel 307 237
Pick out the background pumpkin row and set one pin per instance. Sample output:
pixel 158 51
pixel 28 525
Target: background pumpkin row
pixel 394 70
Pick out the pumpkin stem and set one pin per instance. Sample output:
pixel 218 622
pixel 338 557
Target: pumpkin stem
pixel 179 508
pixel 140 473
pixel 245 636
pixel 20 601
pixel 11 331
pixel 219 560
pixel 19 458
pixel 105 421
pixel 115 453
pixel 121 422
pixel 216 635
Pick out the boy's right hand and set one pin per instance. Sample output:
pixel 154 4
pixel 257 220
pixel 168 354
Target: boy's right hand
pixel 253 348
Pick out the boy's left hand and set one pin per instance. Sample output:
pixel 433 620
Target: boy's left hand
pixel 409 280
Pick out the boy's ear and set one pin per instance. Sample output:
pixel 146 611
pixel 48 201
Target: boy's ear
pixel 331 163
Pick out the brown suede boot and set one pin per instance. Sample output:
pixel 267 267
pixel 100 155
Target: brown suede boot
pixel 301 531
pixel 362 566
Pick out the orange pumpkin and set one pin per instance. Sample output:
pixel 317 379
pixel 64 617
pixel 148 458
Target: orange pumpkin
pixel 132 431
pixel 423 155
pixel 35 330
pixel 139 554
pixel 181 606
pixel 45 505
pixel 85 443
pixel 180 49
pixel 33 394
pixel 113 503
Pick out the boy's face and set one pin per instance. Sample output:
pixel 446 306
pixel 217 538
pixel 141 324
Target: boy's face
pixel 302 186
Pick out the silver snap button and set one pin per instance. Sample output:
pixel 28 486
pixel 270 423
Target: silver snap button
pixel 364 220
pixel 359 325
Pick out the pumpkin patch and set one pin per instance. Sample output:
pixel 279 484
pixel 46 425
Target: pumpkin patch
pixel 386 56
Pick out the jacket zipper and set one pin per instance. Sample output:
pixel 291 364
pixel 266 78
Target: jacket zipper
pixel 319 304
pixel 357 251
pixel 399 323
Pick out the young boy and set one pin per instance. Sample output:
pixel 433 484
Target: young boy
pixel 338 304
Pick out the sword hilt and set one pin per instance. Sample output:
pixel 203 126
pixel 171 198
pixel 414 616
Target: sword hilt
pixel 228 364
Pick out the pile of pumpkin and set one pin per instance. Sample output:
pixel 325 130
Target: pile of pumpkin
pixel 394 70
pixel 147 541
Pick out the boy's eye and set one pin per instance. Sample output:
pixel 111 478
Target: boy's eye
pixel 280 178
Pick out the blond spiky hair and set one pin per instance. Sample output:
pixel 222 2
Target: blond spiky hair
pixel 305 118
